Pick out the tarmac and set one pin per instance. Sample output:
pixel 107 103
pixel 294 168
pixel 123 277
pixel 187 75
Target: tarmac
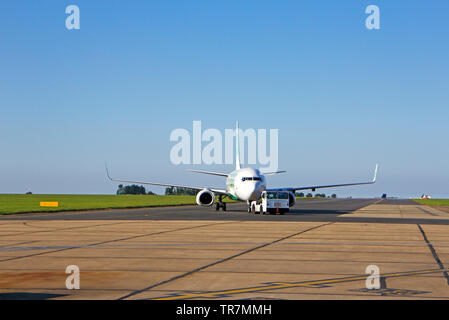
pixel 320 250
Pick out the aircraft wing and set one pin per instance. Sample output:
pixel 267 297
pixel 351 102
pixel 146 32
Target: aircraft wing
pixel 272 173
pixel 327 186
pixel 215 190
pixel 210 172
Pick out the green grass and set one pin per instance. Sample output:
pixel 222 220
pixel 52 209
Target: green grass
pixel 433 202
pixel 18 203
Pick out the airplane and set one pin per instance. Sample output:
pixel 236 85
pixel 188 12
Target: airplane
pixel 244 184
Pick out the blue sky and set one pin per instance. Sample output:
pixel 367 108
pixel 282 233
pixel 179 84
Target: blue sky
pixel 343 97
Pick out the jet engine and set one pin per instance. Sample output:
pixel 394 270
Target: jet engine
pixel 291 199
pixel 205 198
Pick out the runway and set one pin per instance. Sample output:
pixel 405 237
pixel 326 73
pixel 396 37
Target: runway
pixel 318 251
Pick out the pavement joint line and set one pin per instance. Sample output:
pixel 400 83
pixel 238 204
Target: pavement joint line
pixel 27 223
pixel 349 219
pixel 18 243
pixel 221 261
pixel 62 229
pixel 285 285
pixel 266 292
pixel 434 254
pixel 242 259
pixel 65 290
pixel 345 275
pixel 321 294
pixel 426 211
pixel 114 240
pixel 177 245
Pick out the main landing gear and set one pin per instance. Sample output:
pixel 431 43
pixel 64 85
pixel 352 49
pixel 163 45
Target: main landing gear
pixel 220 204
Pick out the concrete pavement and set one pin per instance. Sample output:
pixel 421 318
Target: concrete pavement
pixel 229 259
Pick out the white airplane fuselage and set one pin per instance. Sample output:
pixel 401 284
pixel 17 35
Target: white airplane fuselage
pixel 245 184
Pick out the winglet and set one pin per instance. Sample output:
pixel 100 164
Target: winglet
pixel 107 171
pixel 375 173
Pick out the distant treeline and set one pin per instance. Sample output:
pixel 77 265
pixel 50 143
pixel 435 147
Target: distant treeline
pixel 132 189
pixel 317 195
pixel 180 191
pixel 135 189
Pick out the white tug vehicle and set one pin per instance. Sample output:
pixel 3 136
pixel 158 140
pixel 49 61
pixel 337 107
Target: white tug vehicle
pixel 273 202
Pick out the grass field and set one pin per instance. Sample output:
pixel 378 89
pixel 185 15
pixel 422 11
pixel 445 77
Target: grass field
pixel 18 203
pixel 433 202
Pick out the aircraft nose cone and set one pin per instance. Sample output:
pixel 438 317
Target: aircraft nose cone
pixel 255 192
pixel 246 192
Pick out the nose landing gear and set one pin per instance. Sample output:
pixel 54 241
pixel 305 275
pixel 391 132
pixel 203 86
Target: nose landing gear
pixel 220 204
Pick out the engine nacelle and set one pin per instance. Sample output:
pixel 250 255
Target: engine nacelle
pixel 291 199
pixel 205 198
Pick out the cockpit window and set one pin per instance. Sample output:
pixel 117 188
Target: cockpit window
pixel 251 179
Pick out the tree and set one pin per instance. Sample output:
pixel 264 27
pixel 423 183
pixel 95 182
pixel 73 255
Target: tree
pixel 133 189
pixel 300 194
pixel 180 191
pixel 120 189
pixel 309 195
pixel 334 196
